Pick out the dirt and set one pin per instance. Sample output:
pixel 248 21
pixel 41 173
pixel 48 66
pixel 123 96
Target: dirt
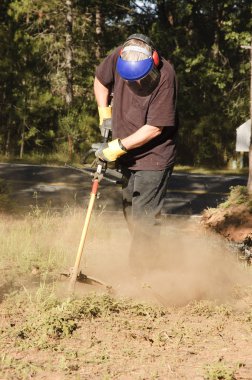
pixel 234 223
pixel 189 319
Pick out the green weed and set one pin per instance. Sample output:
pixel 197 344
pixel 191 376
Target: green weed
pixel 219 371
pixel 209 308
pixel 145 310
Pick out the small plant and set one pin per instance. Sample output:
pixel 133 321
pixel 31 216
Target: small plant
pixel 219 371
pixel 209 308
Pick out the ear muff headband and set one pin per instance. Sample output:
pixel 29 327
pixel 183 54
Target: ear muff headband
pixel 141 37
pixel 139 49
pixel 147 40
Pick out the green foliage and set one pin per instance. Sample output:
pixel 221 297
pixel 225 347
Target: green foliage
pixel 214 93
pixel 202 39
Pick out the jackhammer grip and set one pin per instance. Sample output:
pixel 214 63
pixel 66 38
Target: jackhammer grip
pixel 107 128
pixel 106 137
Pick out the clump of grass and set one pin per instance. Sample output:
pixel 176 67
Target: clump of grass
pixel 238 196
pixel 219 371
pixel 209 308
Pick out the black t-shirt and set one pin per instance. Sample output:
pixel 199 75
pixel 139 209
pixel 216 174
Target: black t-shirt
pixel 130 112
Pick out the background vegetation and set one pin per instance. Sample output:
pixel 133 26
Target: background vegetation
pixel 49 51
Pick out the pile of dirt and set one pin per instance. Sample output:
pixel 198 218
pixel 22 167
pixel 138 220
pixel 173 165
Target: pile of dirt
pixel 233 218
pixel 234 222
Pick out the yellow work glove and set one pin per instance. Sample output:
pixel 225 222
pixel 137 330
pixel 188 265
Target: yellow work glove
pixel 104 113
pixel 109 152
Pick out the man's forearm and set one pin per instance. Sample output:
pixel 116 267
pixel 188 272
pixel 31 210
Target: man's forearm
pixel 101 93
pixel 141 136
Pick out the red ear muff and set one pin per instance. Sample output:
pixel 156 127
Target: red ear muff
pixel 155 58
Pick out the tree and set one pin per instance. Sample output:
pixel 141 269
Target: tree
pixel 50 50
pixel 200 38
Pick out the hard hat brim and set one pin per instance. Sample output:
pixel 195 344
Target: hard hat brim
pixel 134 70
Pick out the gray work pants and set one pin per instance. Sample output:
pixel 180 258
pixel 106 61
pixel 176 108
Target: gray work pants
pixel 143 193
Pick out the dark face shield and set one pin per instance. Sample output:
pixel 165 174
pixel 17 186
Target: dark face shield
pixel 146 85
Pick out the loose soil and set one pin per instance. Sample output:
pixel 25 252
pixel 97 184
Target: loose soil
pixel 189 319
pixel 234 223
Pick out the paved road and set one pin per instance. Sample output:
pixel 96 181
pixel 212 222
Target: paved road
pixel 31 185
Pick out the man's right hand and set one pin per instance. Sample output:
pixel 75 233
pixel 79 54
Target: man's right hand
pixel 109 152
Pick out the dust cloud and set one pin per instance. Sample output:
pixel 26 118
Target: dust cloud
pixel 191 264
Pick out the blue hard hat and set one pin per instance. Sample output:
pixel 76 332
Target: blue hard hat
pixel 134 70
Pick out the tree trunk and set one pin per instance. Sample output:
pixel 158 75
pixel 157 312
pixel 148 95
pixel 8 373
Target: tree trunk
pixel 69 54
pixel 162 13
pixel 69 67
pixel 249 185
pixel 70 147
pixel 7 143
pixel 98 31
pixel 21 152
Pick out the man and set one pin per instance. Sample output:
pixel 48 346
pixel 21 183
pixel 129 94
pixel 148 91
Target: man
pixel 144 131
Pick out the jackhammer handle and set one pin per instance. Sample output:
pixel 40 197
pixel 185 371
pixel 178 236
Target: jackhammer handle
pixel 107 127
pixel 107 130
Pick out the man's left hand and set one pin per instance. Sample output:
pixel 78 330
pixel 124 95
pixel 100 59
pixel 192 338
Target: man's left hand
pixel 111 151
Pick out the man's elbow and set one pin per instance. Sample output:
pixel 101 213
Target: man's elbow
pixel 157 131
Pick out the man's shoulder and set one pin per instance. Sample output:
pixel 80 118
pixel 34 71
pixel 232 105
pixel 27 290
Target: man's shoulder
pixel 166 65
pixel 167 71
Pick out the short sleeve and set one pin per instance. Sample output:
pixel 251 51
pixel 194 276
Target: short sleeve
pixel 162 106
pixel 105 72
